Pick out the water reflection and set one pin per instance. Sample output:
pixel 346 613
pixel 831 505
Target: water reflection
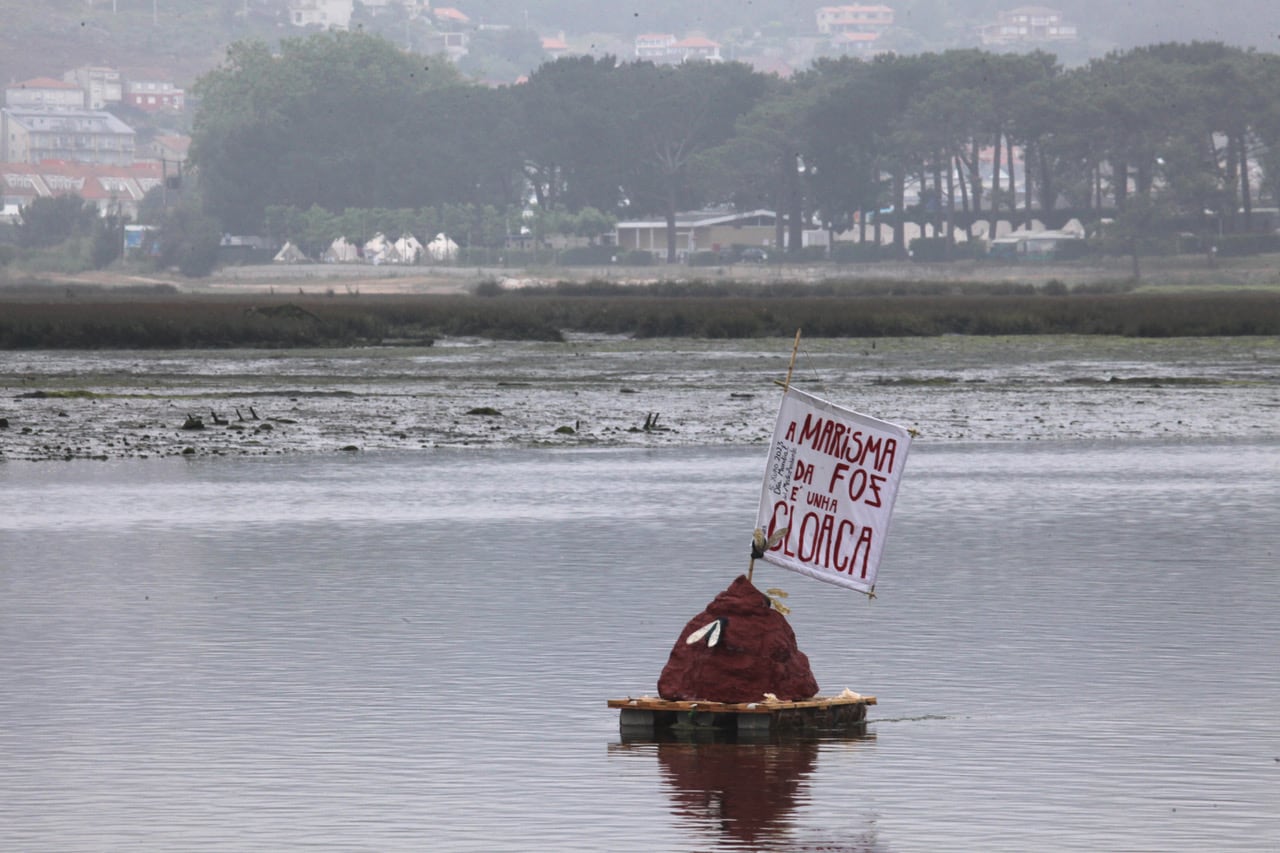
pixel 742 791
pixel 326 653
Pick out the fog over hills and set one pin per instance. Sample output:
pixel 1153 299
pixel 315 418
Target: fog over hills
pixel 188 37
pixel 1251 23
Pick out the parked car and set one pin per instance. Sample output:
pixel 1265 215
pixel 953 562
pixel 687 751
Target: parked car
pixel 754 255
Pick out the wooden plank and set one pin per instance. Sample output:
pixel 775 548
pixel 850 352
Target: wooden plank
pixel 647 703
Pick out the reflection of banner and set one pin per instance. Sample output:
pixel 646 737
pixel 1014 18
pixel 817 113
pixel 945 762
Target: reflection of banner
pixel 831 478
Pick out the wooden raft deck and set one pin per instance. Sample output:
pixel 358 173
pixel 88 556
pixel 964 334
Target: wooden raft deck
pixel 819 713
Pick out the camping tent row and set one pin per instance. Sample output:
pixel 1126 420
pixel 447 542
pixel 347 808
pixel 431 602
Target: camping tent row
pixel 379 250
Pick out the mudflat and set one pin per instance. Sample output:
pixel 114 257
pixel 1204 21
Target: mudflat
pixel 604 392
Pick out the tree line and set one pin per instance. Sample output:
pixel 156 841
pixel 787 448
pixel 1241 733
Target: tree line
pixel 1171 136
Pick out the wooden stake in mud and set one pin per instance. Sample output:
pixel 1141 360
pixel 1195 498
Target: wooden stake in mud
pixel 759 544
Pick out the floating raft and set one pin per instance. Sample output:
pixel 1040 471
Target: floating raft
pixel 839 713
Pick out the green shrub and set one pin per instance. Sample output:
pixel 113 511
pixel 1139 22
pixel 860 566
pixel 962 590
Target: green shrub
pixel 587 256
pixel 637 258
pixel 932 249
pixel 107 242
pixel 189 240
pixel 1239 245
pixel 855 253
pixel 171 320
pixel 478 256
pixel 1163 245
pixel 803 254
pixel 50 220
pixel 1072 250
pixel 704 259
pixel 67 258
pixel 517 258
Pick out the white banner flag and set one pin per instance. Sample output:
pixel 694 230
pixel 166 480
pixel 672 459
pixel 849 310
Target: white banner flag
pixel 831 479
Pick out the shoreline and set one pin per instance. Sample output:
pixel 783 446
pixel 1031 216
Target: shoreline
pixel 1160 272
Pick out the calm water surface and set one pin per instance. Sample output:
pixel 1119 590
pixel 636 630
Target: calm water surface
pixel 1075 647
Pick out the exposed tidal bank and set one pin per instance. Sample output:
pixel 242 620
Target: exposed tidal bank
pixel 608 392
pixel 39 317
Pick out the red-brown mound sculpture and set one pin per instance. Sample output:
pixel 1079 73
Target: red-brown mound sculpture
pixel 756 654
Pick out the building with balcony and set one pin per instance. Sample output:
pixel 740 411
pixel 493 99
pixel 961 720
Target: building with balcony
pixel 666 49
pixel 1028 25
pixel 153 92
pixel 79 136
pixel 833 20
pixel 654 47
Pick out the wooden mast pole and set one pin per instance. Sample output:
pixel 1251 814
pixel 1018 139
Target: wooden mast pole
pixel 795 348
pixel 757 542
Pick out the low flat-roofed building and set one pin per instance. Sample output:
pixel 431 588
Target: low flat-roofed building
pixel 698 231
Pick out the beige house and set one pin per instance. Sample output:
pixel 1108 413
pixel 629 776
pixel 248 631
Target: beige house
pixel 856 44
pixel 666 49
pixel 1028 25
pixel 833 20
pixel 44 93
pixel 328 14
pixel 336 14
pixel 698 49
pixel 168 148
pixel 102 85
pixel 698 231
pixel 555 46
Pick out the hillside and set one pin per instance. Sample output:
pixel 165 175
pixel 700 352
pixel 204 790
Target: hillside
pixel 188 37
pixel 183 37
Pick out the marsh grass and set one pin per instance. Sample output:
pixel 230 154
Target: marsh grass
pixel 85 319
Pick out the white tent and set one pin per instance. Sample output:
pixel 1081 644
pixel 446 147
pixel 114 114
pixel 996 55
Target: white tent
pixel 442 248
pixel 380 250
pixel 341 252
pixel 1074 228
pixel 410 249
pixel 290 254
